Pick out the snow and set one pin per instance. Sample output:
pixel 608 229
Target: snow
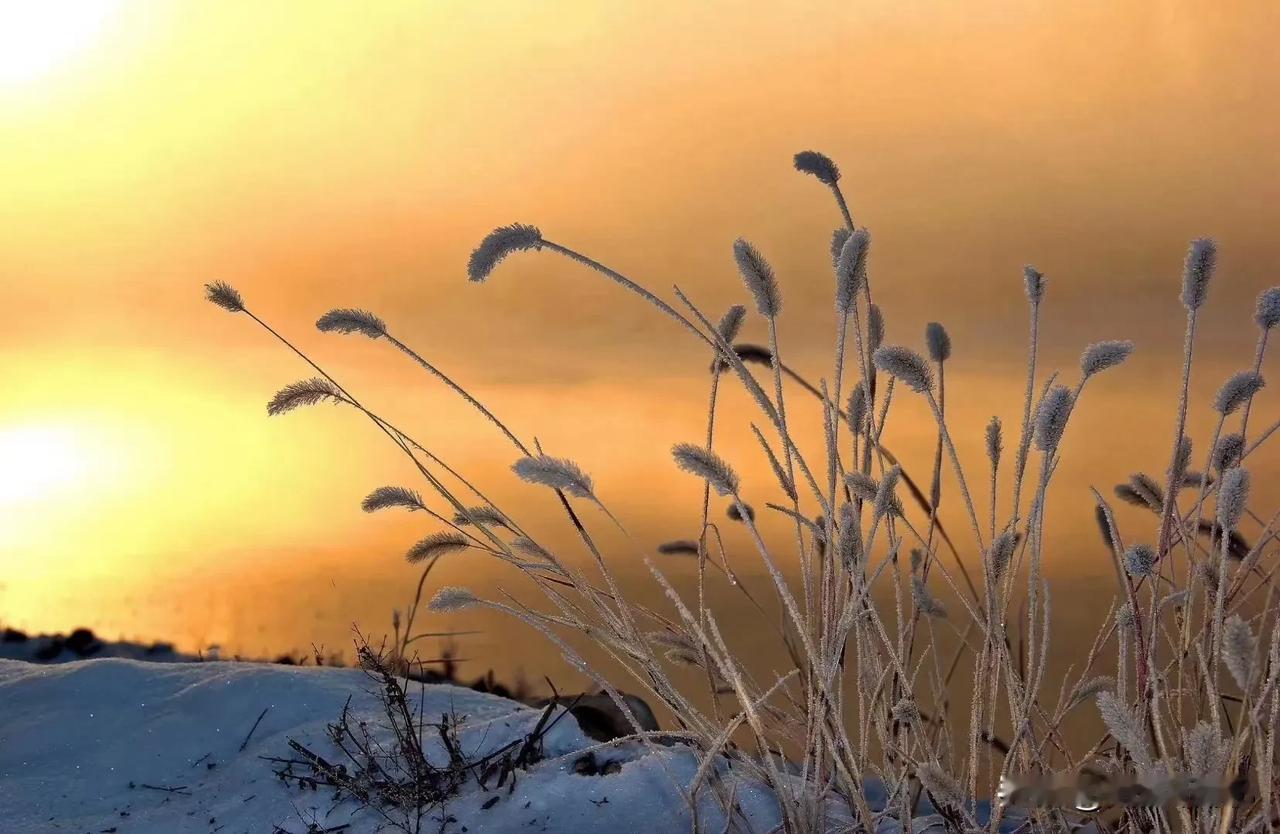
pixel 133 747
pixel 92 746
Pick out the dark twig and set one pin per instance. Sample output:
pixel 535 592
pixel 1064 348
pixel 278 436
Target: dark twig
pixel 245 743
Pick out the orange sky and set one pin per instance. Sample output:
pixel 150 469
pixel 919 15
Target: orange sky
pixel 326 154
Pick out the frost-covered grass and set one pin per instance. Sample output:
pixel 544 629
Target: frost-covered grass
pixel 1185 673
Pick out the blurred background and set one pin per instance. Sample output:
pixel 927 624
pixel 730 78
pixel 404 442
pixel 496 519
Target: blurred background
pixel 328 154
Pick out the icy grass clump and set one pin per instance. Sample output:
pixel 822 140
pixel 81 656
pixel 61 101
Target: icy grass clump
pixel 835 487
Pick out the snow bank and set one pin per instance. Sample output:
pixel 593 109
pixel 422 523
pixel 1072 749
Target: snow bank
pixel 134 747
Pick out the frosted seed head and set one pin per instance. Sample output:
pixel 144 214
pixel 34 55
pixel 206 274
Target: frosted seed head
pixel 707 465
pixel 731 323
pixel 1236 391
pixel 995 443
pixel 1205 752
pixel 906 711
pixel 885 498
pixel 875 327
pixel 818 165
pixel 437 544
pixel 1197 272
pixel 1239 650
pixel 1228 451
pixel 352 321
pixel 759 278
pixel 557 473
pixel 386 497
pixel 1233 496
pixel 858 408
pixel 1033 281
pixel 944 789
pixel 1139 560
pixel 1124 726
pixel 1102 355
pixel 1001 553
pixel 906 365
pixel 938 342
pixel 452 598
pixel 838 238
pixel 925 601
pixel 1093 686
pixel 850 540
pixel 225 296
pixel 1181 460
pixel 1149 492
pixel 1267 314
pixel 498 244
pixel 530 548
pixel 482 515
pixel 851 269
pixel 862 486
pixel 679 547
pixel 1051 421
pixel 304 392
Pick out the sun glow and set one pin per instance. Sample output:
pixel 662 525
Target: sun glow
pixel 37 462
pixel 38 35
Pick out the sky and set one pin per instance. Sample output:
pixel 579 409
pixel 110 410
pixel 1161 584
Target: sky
pixel 330 154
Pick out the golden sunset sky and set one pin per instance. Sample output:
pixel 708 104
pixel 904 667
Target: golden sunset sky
pixel 329 154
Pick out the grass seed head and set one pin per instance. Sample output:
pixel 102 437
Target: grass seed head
pixel 1033 282
pixel 875 327
pixel 1236 391
pixel 707 465
pixel 386 497
pixel 347 320
pixel 304 392
pixel 452 598
pixel 759 278
pixel 731 323
pixel 1100 356
pixel 862 485
pixel 941 785
pixel 995 443
pixel 1051 421
pixel 1239 650
pixel 557 473
pixel 906 365
pixel 679 547
pixel 225 296
pixel 938 341
pixel 1233 496
pixel 1139 560
pixel 1267 314
pixel 1228 451
pixel 857 408
pixel 817 165
pixel 437 544
pixel 498 244
pixel 838 238
pixel 1197 272
pixel 851 269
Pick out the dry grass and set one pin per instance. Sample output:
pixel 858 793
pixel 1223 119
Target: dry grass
pixel 1194 675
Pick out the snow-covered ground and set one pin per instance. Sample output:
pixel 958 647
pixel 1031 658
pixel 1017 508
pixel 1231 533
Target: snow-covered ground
pixel 120 746
pixel 124 746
